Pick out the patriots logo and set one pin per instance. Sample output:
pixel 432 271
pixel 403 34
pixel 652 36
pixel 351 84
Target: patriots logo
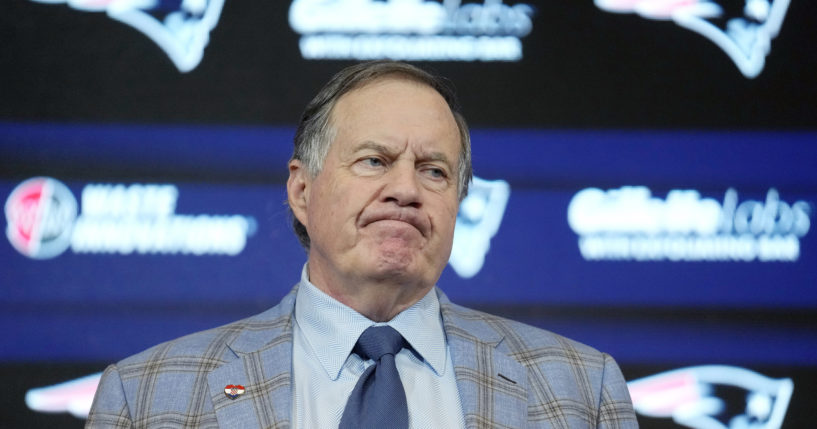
pixel 180 27
pixel 713 397
pixel 742 29
pixel 477 222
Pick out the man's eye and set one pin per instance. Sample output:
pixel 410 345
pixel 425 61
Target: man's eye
pixel 374 162
pixel 437 173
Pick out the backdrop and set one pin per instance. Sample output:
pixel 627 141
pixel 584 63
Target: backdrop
pixel 646 182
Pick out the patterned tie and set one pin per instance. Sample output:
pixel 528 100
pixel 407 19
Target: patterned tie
pixel 378 399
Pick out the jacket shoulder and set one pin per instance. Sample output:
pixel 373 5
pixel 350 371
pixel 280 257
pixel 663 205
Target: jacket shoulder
pixel 167 384
pixel 568 382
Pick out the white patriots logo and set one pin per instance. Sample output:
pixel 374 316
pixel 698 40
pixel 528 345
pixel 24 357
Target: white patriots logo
pixel 478 221
pixel 713 397
pixel 180 27
pixel 743 31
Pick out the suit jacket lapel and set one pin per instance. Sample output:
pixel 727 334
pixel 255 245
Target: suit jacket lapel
pixel 493 386
pixel 263 365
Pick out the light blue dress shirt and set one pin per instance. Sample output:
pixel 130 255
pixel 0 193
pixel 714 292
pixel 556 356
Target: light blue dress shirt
pixel 325 371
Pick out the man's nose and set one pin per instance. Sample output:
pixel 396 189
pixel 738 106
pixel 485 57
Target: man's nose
pixel 402 185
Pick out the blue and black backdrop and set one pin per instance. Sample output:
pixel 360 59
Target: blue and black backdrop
pixel 650 179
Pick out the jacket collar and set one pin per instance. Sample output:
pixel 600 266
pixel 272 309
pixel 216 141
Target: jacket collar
pixel 492 385
pixel 263 365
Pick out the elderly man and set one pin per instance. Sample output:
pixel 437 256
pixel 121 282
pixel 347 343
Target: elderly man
pixel 381 161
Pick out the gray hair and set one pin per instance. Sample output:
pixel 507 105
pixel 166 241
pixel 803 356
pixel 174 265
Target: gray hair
pixel 315 131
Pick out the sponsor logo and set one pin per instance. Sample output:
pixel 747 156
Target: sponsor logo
pixel 477 222
pixel 743 30
pixel 713 397
pixel 40 215
pixel 630 224
pixel 138 218
pixel 180 27
pixel 419 30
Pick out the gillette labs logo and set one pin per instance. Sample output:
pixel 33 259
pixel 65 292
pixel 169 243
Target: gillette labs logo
pixel 417 30
pixel 180 27
pixel 742 29
pixel 630 224
pixel 43 222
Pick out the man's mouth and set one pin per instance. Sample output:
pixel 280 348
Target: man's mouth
pixel 409 217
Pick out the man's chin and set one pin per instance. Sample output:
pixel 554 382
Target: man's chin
pixel 386 267
pixel 397 262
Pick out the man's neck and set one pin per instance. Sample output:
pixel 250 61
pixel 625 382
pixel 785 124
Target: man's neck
pixel 379 300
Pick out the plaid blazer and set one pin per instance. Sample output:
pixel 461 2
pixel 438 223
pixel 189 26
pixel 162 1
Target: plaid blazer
pixel 509 375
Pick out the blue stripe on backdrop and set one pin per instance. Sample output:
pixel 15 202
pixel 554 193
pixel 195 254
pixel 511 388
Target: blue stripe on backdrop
pixel 544 158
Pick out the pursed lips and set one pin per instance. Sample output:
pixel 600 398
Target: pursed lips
pixel 410 216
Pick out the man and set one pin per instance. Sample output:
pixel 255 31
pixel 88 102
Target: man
pixel 381 161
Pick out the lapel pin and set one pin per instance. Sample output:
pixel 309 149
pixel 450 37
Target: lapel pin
pixel 234 391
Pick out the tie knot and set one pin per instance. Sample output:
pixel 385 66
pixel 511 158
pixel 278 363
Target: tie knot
pixel 377 341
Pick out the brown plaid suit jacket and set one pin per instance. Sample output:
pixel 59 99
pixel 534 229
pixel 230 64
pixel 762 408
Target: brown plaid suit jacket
pixel 509 375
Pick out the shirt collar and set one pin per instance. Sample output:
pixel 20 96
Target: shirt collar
pixel 332 328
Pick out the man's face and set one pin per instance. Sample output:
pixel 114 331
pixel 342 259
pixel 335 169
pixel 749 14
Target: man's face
pixel 385 203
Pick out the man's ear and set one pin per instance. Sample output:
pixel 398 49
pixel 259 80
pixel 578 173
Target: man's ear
pixel 298 190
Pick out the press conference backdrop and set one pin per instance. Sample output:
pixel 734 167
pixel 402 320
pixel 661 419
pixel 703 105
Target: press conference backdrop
pixel 646 182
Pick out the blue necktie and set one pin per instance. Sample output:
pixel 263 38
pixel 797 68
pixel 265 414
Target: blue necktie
pixel 378 399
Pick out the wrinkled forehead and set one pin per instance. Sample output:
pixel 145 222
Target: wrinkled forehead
pixel 460 155
pixel 380 80
pixel 388 99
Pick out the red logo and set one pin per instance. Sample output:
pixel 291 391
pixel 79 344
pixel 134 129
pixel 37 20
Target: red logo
pixel 40 213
